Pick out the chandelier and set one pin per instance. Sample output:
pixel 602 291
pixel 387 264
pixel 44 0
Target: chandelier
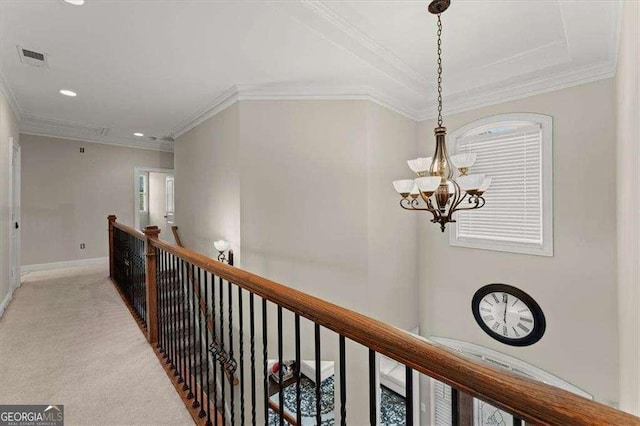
pixel 436 189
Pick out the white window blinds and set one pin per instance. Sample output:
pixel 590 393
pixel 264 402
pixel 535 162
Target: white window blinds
pixel 513 209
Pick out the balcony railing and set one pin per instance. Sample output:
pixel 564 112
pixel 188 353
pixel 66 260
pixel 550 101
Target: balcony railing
pixel 217 328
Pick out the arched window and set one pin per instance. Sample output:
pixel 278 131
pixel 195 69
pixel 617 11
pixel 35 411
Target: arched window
pixel 515 150
pixel 485 414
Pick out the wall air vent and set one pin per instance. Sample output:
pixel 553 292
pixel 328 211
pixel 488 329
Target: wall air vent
pixel 33 58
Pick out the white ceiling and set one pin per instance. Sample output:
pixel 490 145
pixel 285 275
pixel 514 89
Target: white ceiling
pixel 159 67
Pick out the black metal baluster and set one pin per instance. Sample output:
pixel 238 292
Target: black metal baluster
pixel 252 344
pixel 177 320
pixel 130 293
pixel 136 277
pixel 184 332
pixel 136 283
pixel 187 332
pixel 161 301
pixel 206 340
pixel 318 395
pixel 264 360
pixel 223 377
pixel 241 346
pixel 163 315
pixel 201 351
pixel 280 375
pixel 517 421
pixel 455 407
pixel 298 370
pixel 130 282
pixel 214 342
pixel 408 392
pixel 343 382
pixel 373 389
pixel 171 317
pixel 231 360
pixel 167 314
pixel 194 330
pixel 140 262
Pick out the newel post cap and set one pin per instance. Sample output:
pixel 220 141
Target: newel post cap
pixel 152 231
pixel 112 218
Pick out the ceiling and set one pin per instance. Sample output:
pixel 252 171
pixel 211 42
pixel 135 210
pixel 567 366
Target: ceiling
pixel 161 67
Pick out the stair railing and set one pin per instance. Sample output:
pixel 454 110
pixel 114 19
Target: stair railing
pixel 227 288
pixel 219 353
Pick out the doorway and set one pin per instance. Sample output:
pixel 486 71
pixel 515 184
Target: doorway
pixel 14 197
pixel 154 200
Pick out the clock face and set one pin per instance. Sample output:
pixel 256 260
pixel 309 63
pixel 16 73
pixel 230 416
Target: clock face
pixel 508 314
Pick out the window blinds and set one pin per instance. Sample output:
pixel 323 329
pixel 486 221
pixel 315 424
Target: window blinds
pixel 513 209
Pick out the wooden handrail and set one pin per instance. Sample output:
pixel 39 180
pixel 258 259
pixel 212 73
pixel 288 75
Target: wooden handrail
pixel 129 230
pixel 176 236
pixel 530 400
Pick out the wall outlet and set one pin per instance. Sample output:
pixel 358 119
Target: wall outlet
pixel 82 150
pixel 423 407
pixel 82 246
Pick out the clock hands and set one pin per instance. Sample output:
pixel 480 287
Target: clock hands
pixel 506 304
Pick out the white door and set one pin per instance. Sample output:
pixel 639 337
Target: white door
pixel 170 200
pixel 15 214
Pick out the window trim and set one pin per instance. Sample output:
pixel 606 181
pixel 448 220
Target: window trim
pixel 546 124
pixel 498 360
pixel 144 192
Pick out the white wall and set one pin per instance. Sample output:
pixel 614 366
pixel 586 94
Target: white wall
pixel 576 288
pixel 628 166
pixel 8 128
pixel 310 174
pixel 67 195
pixel 207 187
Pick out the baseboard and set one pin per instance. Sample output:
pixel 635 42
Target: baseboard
pixel 66 264
pixel 5 302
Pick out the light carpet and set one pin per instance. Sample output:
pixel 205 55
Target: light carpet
pixel 67 338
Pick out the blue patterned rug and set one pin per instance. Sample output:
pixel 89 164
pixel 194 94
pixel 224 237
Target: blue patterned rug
pixel 392 405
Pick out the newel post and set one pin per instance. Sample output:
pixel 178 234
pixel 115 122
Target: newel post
pixel 150 275
pixel 112 219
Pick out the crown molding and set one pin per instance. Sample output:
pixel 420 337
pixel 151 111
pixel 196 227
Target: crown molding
pixel 487 96
pixel 338 93
pixel 282 93
pixel 330 24
pixel 91 133
pixel 219 104
pixel 7 93
pixel 46 124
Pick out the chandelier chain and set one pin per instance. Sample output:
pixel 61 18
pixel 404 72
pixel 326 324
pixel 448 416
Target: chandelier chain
pixel 439 71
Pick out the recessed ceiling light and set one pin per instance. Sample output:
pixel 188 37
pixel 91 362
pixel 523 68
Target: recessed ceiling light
pixel 68 93
pixel 138 134
pixel 75 2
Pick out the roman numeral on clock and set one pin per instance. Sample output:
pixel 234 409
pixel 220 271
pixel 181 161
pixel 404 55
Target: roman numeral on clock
pixel 525 329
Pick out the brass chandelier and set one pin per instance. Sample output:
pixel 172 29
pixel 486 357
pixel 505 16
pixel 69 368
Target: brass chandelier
pixel 436 189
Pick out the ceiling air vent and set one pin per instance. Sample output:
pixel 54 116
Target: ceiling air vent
pixel 33 58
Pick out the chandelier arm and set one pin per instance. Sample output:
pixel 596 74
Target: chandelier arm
pixel 479 203
pixel 427 200
pixel 456 200
pixel 454 205
pixel 434 212
pixel 409 205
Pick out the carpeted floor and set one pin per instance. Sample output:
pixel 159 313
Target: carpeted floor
pixel 67 338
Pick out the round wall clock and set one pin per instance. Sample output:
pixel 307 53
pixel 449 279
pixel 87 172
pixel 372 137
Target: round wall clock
pixel 508 314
